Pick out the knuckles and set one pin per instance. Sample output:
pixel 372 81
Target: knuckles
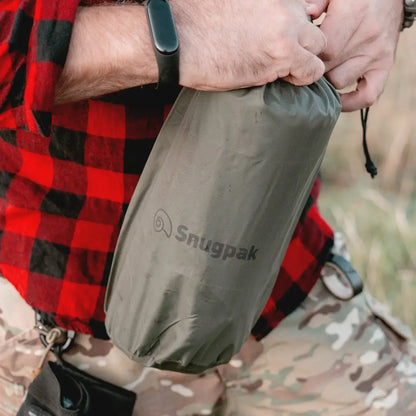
pixel 309 73
pixel 369 97
pixel 338 80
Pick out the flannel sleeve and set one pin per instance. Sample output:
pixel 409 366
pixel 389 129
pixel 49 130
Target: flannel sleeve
pixel 34 41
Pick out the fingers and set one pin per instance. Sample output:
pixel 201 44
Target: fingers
pixel 312 39
pixel 368 89
pixel 347 73
pixel 306 67
pixel 341 41
pixel 306 70
pixel 315 8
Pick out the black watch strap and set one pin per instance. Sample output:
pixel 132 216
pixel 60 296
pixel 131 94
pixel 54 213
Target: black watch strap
pixel 165 41
pixel 168 68
pixel 409 13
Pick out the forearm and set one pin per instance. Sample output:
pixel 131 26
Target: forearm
pixel 110 50
pixel 220 49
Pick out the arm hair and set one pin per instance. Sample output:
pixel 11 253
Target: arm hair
pixel 110 50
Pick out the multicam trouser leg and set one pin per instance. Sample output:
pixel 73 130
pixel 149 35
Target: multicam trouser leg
pixel 20 348
pixel 329 357
pixel 159 392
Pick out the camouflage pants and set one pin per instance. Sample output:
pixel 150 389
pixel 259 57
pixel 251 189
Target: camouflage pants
pixel 330 357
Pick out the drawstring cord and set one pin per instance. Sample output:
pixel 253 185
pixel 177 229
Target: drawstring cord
pixel 52 337
pixel 369 164
pixel 55 339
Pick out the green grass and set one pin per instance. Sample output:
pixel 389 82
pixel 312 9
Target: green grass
pixel 380 230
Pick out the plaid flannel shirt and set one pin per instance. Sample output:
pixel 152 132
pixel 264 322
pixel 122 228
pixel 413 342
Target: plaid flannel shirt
pixel 67 175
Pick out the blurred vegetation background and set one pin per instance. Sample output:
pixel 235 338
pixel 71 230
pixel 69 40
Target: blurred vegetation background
pixel 378 216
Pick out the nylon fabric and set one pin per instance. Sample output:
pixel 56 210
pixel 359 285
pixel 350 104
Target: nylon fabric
pixel 211 218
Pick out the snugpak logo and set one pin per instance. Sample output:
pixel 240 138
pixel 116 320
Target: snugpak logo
pixel 216 249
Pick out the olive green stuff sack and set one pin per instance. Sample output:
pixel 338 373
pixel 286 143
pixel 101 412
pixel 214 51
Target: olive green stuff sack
pixel 211 218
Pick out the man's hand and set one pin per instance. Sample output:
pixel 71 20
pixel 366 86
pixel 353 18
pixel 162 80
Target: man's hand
pixel 362 38
pixel 233 44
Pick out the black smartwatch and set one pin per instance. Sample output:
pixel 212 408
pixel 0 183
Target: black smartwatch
pixel 165 41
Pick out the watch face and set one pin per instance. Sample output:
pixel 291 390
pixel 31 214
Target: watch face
pixel 162 26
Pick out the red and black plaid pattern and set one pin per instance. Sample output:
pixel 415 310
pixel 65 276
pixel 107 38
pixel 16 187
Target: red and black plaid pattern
pixel 30 66
pixel 67 175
